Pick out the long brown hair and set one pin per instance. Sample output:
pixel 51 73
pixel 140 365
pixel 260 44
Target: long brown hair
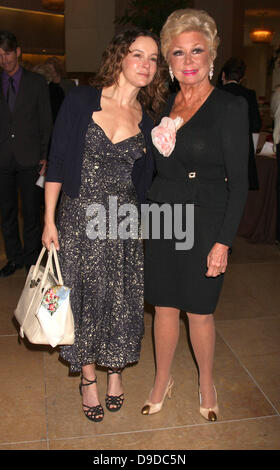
pixel 152 97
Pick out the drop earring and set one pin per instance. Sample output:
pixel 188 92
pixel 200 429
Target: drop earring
pixel 211 71
pixel 171 73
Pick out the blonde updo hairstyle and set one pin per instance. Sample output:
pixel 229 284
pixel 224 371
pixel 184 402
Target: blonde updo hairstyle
pixel 186 20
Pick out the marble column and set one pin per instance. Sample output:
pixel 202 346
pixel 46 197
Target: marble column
pixel 89 26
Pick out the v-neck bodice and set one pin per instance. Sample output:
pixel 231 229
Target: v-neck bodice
pixel 115 143
pixel 200 109
pixel 204 156
pixel 107 167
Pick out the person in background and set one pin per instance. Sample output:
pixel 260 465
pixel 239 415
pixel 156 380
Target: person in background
pixel 59 85
pixel 275 110
pixel 233 72
pixel 58 74
pixel 55 91
pixel 26 124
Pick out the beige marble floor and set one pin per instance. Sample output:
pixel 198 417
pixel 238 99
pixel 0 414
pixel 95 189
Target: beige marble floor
pixel 41 407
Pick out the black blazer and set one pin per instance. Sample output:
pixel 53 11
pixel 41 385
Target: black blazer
pixel 67 147
pixel 210 166
pixel 25 132
pixel 255 124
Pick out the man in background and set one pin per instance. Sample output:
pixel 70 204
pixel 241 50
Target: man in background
pixel 275 110
pixel 25 129
pixel 233 73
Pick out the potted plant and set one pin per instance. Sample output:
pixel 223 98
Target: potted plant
pixel 151 14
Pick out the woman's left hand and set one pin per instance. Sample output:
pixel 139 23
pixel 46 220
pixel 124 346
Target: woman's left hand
pixel 217 260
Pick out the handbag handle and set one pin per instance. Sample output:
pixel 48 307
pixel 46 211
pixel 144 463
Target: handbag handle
pixel 60 280
pixel 49 266
pixel 52 253
pixel 38 262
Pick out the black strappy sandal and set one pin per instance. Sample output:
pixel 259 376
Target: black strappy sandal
pixel 114 403
pixel 91 412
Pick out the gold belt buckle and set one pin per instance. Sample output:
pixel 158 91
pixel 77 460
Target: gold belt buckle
pixel 192 174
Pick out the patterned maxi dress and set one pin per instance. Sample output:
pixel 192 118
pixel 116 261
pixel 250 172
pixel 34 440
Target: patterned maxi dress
pixel 104 273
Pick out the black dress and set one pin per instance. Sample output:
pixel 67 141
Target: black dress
pixel 105 273
pixel 207 171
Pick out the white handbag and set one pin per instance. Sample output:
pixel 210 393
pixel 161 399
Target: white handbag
pixel 44 310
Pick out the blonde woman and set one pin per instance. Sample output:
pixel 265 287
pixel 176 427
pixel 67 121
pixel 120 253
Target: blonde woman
pixel 206 169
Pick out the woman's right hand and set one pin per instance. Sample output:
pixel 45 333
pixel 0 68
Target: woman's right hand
pixel 50 235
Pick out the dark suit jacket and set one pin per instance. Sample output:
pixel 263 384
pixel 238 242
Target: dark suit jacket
pixel 255 124
pixel 25 132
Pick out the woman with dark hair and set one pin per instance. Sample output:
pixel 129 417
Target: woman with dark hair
pixel 100 158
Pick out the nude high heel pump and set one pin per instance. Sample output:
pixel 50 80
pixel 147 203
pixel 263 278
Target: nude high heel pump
pixel 210 414
pixel 150 408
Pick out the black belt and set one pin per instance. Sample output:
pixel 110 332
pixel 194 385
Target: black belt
pixel 193 175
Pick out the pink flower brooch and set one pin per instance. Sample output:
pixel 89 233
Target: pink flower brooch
pixel 164 135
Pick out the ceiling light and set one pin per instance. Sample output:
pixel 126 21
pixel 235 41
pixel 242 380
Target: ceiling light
pixel 261 35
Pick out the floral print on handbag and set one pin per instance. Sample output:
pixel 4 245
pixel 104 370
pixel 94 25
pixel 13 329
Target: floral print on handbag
pixel 54 297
